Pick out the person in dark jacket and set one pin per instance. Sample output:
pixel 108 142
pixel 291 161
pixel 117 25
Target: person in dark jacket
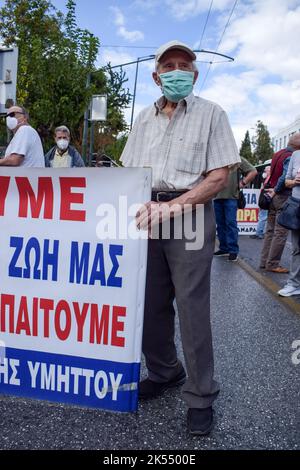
pixel 63 155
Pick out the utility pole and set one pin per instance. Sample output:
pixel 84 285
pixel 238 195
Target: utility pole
pixel 86 124
pixel 134 92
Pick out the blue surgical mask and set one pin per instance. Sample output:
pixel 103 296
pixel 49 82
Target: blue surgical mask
pixel 177 84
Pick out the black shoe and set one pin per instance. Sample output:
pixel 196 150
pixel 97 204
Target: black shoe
pixel 233 257
pixel 200 421
pixel 149 389
pixel 260 237
pixel 221 253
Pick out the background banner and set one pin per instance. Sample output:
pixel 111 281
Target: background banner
pixel 247 218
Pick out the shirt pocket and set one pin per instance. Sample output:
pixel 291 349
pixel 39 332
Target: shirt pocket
pixel 191 158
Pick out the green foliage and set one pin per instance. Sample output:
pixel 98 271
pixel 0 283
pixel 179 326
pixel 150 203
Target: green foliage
pixel 263 149
pixel 118 97
pixel 245 150
pixel 3 134
pixel 115 149
pixel 55 60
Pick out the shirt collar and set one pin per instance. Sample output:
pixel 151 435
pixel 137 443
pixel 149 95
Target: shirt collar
pixel 161 103
pixel 57 152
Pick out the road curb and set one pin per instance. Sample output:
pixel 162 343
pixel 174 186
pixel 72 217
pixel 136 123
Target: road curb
pixel 271 286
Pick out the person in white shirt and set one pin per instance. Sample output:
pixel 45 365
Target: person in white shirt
pixel 25 149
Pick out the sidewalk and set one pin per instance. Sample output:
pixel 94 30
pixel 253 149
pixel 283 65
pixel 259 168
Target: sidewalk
pixel 250 250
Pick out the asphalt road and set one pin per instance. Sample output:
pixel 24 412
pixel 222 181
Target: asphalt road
pixel 258 407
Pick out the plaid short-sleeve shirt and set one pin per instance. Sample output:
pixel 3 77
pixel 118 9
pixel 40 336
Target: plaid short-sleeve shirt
pixel 181 150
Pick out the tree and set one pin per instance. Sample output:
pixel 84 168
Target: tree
pixel 263 149
pixel 3 133
pixel 55 59
pixel 107 135
pixel 245 150
pixel 115 149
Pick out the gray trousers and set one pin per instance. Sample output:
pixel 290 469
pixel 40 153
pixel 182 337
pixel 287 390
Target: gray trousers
pixel 173 272
pixel 294 277
pixel 275 236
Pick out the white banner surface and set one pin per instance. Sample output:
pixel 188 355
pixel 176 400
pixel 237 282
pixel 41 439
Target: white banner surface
pixel 72 273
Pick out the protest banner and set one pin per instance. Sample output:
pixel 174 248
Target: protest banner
pixel 247 218
pixel 72 274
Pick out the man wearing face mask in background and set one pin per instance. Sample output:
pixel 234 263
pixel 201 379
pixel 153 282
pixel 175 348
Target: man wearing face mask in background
pixel 188 143
pixel 25 149
pixel 63 155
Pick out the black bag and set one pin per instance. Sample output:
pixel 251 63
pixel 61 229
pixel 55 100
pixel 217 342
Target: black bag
pixel 264 200
pixel 289 216
pixel 241 200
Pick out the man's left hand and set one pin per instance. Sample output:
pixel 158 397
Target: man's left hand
pixel 152 214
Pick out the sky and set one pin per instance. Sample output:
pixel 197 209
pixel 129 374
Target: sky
pixel 263 37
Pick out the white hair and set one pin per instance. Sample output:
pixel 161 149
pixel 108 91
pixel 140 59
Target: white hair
pixel 62 129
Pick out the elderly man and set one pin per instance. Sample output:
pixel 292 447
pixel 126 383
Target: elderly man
pixel 25 148
pixel 63 155
pixel 189 145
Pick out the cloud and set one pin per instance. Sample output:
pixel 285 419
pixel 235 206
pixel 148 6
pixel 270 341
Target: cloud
pixel 115 57
pixel 263 82
pixel 232 92
pixel 131 36
pixel 247 98
pixel 267 39
pixel 183 10
pixel 149 65
pixel 149 89
pixel 147 5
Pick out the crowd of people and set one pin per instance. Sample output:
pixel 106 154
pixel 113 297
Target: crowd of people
pixel 188 143
pixel 284 182
pixel 281 180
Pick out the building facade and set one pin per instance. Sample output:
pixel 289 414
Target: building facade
pixel 281 139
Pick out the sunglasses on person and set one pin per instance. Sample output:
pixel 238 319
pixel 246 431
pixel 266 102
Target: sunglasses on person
pixel 13 114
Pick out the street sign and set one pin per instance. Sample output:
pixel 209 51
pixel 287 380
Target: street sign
pixel 8 77
pixel 99 108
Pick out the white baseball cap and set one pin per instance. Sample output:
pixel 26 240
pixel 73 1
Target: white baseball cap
pixel 173 45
